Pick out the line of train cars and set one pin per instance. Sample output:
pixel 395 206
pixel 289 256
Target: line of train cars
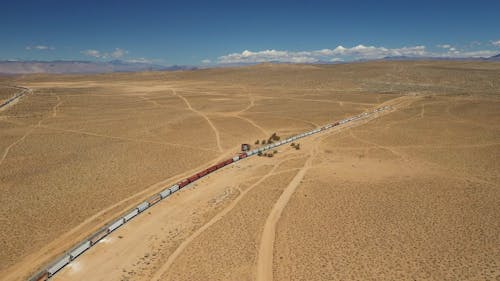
pixel 101 233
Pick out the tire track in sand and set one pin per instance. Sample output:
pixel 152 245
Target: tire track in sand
pixel 166 266
pixel 266 248
pixel 216 132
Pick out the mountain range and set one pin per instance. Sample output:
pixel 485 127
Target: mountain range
pixel 73 67
pixel 80 67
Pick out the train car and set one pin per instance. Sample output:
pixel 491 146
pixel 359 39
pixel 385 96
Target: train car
pixel 143 206
pixel 79 250
pixel 212 169
pixel 202 173
pixel 174 188
pixel 131 214
pixel 193 178
pixel 41 276
pixel 115 225
pixel 154 199
pixel 165 193
pixel 228 161
pixel 220 165
pixel 58 265
pixel 183 183
pixel 98 236
pixel 243 155
pixel 236 158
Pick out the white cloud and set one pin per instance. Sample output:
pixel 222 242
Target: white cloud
pixel 496 43
pixel 356 52
pixel 116 53
pixel 469 54
pixel 341 53
pixel 206 61
pixel 139 60
pixel 39 47
pixel 267 55
pixel 92 53
pixel 444 46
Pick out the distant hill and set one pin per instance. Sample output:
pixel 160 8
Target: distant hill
pixel 495 58
pixel 27 67
pixel 492 58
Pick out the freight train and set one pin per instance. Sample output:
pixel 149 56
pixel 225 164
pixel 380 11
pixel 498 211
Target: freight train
pixel 62 261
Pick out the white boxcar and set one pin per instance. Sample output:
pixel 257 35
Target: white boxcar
pixel 249 153
pixel 58 265
pixel 80 249
pixel 174 188
pixel 236 158
pixel 115 225
pixel 165 193
pixel 143 206
pixel 132 214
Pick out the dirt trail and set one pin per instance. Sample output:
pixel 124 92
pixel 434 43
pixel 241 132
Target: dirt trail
pixel 264 131
pixel 54 109
pixel 30 130
pixel 250 104
pixel 216 132
pixel 8 148
pixel 128 139
pixel 266 248
pixel 166 266
pixel 264 270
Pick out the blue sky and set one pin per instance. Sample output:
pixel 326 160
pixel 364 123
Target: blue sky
pixel 218 32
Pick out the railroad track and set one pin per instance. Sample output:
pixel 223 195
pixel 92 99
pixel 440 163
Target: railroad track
pixel 14 98
pixel 56 265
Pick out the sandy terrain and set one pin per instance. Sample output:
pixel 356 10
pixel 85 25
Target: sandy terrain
pixel 6 92
pixel 411 194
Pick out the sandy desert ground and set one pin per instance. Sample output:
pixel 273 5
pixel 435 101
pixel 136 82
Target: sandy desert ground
pixel 411 194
